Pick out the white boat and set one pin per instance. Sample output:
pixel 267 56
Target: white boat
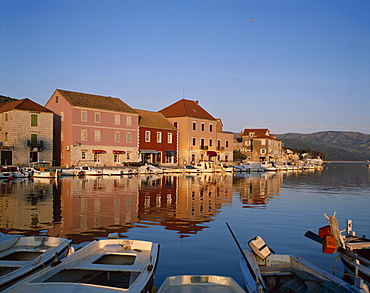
pixel 88 171
pixel 269 166
pixel 200 284
pixel 112 171
pixel 253 166
pixel 71 172
pixel 16 172
pixel 109 265
pixel 240 168
pixel 5 174
pixel 21 256
pixel 354 251
pixel 42 169
pixel 206 167
pixel 266 272
pixel 190 169
pixel 149 169
pixel 224 167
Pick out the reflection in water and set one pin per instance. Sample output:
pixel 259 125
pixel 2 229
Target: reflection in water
pixel 256 189
pixel 85 208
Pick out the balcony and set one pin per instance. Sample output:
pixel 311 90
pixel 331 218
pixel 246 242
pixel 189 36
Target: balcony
pixel 204 147
pixel 39 145
pixel 220 148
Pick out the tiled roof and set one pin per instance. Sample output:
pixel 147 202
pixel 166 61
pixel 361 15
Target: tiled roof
pixel 259 133
pixel 96 102
pixel 154 120
pixel 186 108
pixel 25 105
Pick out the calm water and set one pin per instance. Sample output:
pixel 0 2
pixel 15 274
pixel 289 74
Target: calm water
pixel 187 214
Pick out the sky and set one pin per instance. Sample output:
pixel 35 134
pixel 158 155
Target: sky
pixel 299 66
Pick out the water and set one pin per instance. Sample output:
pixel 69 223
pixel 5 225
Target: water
pixel 186 215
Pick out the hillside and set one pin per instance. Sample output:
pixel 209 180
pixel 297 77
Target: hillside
pixel 336 145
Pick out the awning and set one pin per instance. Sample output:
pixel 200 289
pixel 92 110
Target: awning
pixel 119 152
pixel 98 151
pixel 170 153
pixel 211 154
pixel 149 152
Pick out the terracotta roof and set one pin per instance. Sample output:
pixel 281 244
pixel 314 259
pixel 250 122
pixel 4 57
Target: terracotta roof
pixel 154 120
pixel 96 102
pixel 186 108
pixel 259 133
pixel 25 105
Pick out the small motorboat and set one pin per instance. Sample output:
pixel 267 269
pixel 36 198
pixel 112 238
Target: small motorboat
pixel 6 174
pixel 149 169
pixel 269 166
pixel 71 172
pixel 200 283
pixel 190 169
pixel 88 171
pixel 21 256
pixel 354 251
pixel 108 265
pixel 266 272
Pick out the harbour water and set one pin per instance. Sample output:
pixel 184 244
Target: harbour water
pixel 186 215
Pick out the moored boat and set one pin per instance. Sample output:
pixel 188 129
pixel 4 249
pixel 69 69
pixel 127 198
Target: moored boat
pixel 269 166
pixel 190 169
pixel 108 265
pixel 354 251
pixel 149 169
pixel 266 272
pixel 21 256
pixel 200 283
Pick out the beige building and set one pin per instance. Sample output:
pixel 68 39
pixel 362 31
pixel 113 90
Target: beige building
pixel 200 135
pixel 26 133
pixel 259 145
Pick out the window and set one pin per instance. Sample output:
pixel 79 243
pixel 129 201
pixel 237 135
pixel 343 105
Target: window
pixel 33 139
pixel 169 138
pixel 263 142
pixel 251 134
pixel 34 119
pixel 6 117
pixel 129 120
pixel 117 119
pixel 5 136
pixel 202 143
pixel 227 144
pixel 194 141
pixel 56 100
pixel 97 135
pixel 263 151
pixel 62 116
pixel 83 155
pixel 147 136
pixel 194 126
pixel 84 134
pixel 116 158
pixel 159 137
pixel 175 124
pixel 97 116
pixel 202 126
pixel 210 127
pixel 210 142
pixel 62 135
pixel 129 137
pixel 117 136
pixel 84 116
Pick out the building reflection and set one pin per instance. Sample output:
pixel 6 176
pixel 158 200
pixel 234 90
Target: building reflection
pixel 256 189
pixel 86 208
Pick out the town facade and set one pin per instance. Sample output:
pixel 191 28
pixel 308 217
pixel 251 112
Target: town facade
pixel 157 138
pixel 93 130
pixel 26 133
pixel 259 145
pixel 200 134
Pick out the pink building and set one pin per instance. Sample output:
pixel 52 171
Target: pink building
pixel 93 130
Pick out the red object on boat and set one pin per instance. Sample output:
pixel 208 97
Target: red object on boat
pixel 329 244
pixel 324 231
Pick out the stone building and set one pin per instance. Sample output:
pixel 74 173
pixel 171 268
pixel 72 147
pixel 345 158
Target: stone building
pixel 26 133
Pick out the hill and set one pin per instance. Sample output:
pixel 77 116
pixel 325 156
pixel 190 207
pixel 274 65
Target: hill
pixel 336 145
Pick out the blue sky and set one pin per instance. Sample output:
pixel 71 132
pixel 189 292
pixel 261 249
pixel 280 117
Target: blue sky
pixel 300 66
